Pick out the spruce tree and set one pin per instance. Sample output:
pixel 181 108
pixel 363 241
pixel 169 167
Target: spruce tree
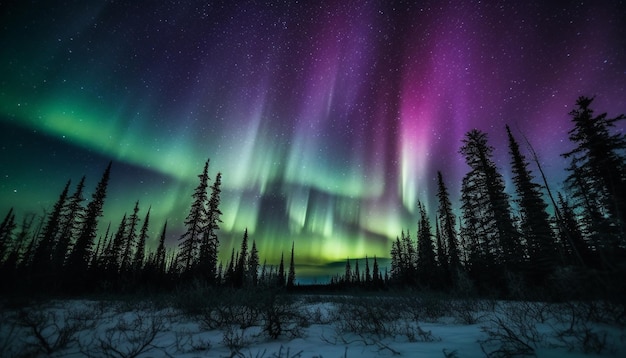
pixel 397 261
pixel 73 215
pixel 253 264
pixel 241 267
pixel 42 258
pixel 210 241
pixel 81 253
pixel 281 272
pixel 368 275
pixel 426 263
pixel 376 279
pixel 138 260
pixel 348 275
pixel 597 176
pixel 130 240
pixel 535 221
pixel 159 257
pixel 113 252
pixel 488 228
pixel 448 233
pixel 356 273
pixel 195 222
pixel 291 278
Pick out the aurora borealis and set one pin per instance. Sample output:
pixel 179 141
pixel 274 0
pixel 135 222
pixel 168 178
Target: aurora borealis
pixel 328 119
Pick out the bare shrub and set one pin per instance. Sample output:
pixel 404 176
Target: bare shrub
pixel 49 330
pixel 512 332
pixel 577 326
pixel 132 335
pixel 186 342
pixel 281 315
pixel 504 340
pixel 228 307
pixel 372 321
pixel 235 338
pixel 469 310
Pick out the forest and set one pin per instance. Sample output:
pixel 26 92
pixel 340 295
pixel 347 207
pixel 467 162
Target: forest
pixel 557 245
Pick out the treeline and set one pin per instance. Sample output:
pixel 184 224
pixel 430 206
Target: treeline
pixel 65 255
pixel 572 245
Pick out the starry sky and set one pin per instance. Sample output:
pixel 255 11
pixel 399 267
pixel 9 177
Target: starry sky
pixel 327 119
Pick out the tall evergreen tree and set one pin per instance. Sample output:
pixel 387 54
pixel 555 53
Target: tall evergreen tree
pixel 195 222
pixel 72 217
pixel 368 275
pixel 426 263
pixel 210 241
pixel 42 257
pixel 409 250
pixel 348 275
pixel 241 267
pixel 493 239
pixel 159 257
pixel 130 240
pixel 448 233
pixel 253 264
pixel 281 272
pixel 113 252
pixel 81 253
pixel 397 261
pixel 376 278
pixel 141 244
pixel 598 175
pixel 535 221
pixel 291 278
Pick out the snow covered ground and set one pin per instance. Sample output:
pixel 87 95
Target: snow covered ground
pixel 305 326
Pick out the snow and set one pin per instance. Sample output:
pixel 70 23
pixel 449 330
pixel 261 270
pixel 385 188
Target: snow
pixel 312 327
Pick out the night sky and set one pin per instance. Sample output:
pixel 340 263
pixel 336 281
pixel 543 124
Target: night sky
pixel 327 119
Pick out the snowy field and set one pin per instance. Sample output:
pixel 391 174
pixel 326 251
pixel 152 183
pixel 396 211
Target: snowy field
pixel 311 326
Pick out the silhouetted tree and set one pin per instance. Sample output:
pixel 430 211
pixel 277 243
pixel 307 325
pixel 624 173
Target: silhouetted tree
pixel 159 257
pixel 242 261
pixel 253 264
pixel 291 278
pixel 42 257
pixel 281 272
pixel 210 241
pixel 348 274
pixel 488 227
pixel 535 221
pixel 78 260
pixel 448 233
pixel 597 177
pixel 196 223
pixel 73 214
pixel 368 275
pixel 130 240
pixel 426 263
pixel 140 250
pixel 376 278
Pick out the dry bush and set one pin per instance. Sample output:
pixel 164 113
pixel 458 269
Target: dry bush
pixel 132 335
pixel 374 320
pixel 48 330
pixel 577 326
pixel 512 332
